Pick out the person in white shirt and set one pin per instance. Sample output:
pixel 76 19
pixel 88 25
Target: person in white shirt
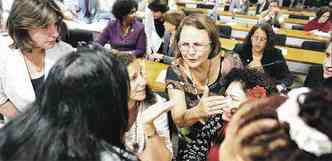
pixel 261 6
pixel 29 53
pixel 88 11
pixel 240 6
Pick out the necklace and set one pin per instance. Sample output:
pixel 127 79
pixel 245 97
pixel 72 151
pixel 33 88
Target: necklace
pixel 33 70
pixel 196 84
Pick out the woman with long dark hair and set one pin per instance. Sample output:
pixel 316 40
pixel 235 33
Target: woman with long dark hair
pixel 258 52
pixel 148 134
pixel 81 114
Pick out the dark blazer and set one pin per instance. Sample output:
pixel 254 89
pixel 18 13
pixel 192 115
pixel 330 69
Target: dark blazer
pixel 259 6
pixel 169 56
pixel 273 63
pixel 314 77
pixel 87 11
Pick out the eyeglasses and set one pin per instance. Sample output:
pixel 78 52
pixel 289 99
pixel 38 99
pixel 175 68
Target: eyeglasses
pixel 260 39
pixel 185 46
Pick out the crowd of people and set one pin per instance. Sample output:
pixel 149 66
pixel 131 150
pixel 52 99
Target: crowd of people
pixel 61 103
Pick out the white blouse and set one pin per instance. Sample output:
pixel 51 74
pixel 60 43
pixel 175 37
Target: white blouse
pixel 135 139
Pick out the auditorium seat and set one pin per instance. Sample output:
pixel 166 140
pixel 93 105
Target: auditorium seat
pixel 313 45
pixel 225 31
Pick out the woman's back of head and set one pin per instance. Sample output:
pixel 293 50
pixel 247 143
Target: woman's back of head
pixel 259 132
pixel 82 110
pixel 256 134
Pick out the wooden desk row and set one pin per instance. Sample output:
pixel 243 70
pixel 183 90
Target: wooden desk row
pixel 285 11
pixel 288 32
pixel 152 70
pixel 227 13
pixel 290 54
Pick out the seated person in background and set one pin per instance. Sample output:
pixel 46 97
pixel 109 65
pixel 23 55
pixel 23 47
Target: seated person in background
pixel 258 52
pixel 5 6
pixel 241 85
pixel 172 21
pixel 148 135
pixel 322 21
pixel 28 53
pixel 261 6
pixel 154 25
pixel 273 15
pixel 88 11
pixel 82 113
pixel 125 34
pixel 239 6
pixel 318 73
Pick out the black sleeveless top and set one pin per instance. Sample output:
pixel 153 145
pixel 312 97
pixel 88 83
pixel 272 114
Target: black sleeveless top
pixel 37 85
pixel 194 142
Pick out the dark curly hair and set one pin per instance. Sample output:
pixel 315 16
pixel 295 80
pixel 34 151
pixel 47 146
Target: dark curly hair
pixel 158 5
pixel 249 78
pixel 267 28
pixel 121 8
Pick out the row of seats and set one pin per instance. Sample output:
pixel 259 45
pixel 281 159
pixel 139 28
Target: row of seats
pixel 73 37
pixel 280 39
pixel 210 6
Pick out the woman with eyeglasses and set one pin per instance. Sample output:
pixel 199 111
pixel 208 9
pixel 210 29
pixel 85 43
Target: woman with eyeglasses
pixel 125 34
pixel 193 83
pixel 322 21
pixel 258 52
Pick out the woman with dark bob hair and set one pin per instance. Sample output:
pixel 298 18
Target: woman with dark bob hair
pixel 193 83
pixel 29 52
pixel 125 34
pixel 322 21
pixel 81 113
pixel 258 52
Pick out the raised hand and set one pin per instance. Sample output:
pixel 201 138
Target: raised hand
pixel 212 105
pixel 154 111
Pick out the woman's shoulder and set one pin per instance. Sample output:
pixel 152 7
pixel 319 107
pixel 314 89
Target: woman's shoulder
pixel 275 52
pixel 239 48
pixel 6 50
pixel 61 48
pixel 138 25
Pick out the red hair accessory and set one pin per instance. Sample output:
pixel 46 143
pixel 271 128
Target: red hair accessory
pixel 256 92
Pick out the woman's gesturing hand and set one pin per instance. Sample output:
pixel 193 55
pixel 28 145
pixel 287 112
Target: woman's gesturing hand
pixel 154 111
pixel 212 105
